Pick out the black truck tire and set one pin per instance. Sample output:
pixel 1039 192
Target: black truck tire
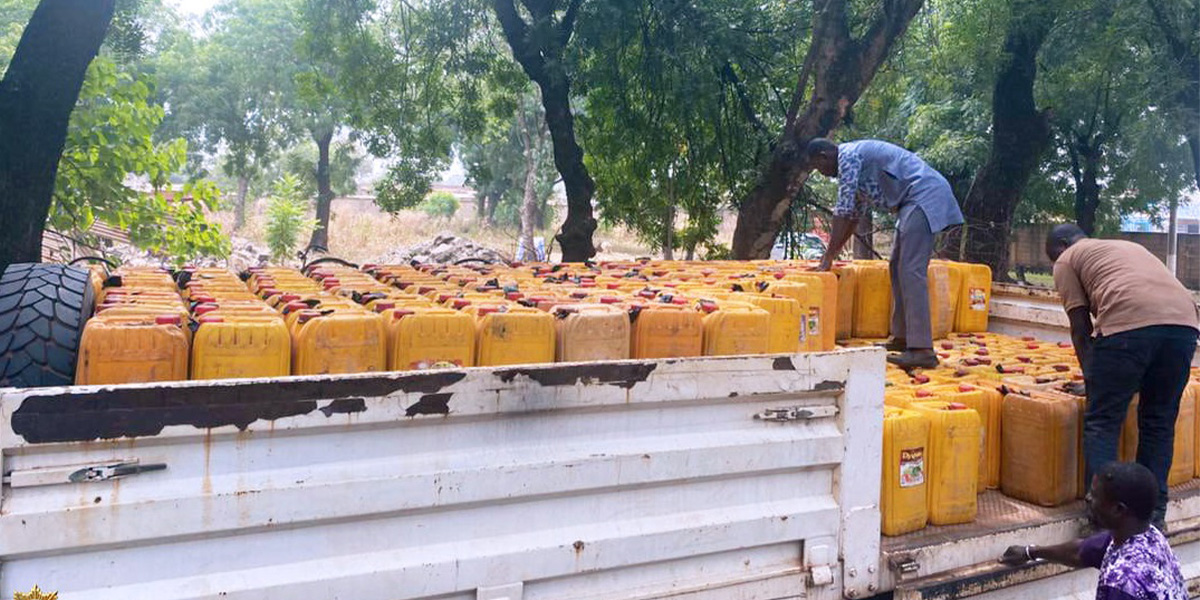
pixel 43 309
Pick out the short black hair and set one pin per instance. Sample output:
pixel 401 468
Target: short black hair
pixel 820 147
pixel 1065 234
pixel 1132 485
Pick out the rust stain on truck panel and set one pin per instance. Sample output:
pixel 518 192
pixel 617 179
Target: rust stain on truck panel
pixel 145 410
pixel 622 375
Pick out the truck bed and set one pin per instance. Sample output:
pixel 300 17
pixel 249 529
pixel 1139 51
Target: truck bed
pixel 958 561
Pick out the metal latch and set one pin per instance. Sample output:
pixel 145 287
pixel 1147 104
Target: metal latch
pixel 904 565
pixel 796 413
pixel 79 473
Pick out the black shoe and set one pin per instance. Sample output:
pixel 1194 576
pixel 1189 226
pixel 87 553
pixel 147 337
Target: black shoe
pixel 914 359
pixel 894 345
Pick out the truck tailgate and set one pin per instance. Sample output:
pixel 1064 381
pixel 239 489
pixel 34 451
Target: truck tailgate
pixel 638 479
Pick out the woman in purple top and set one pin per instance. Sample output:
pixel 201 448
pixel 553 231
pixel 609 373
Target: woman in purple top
pixel 1134 558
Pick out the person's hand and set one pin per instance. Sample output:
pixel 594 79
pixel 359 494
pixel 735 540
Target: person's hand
pixel 1015 556
pixel 1075 388
pixel 825 264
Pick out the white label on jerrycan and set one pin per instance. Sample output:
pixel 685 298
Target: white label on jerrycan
pixel 978 299
pixel 912 467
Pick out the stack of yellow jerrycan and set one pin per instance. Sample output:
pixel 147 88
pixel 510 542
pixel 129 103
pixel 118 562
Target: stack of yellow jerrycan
pixel 732 328
pixel 847 287
pixel 337 318
pixel 872 299
pixel 665 331
pixel 138 333
pixel 904 487
pixel 585 332
pixel 1183 467
pixel 787 321
pixel 330 332
pixel 1040 462
pixel 953 467
pixel 511 334
pixel 236 333
pixel 942 303
pixel 427 337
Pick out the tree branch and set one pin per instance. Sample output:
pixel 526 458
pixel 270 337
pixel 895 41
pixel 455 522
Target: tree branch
pixel 1178 48
pixel 801 88
pixel 883 33
pixel 567 26
pixel 728 74
pixel 517 33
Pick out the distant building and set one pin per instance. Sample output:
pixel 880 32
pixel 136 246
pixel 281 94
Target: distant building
pixel 1188 219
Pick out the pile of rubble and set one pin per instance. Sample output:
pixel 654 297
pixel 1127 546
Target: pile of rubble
pixel 446 248
pixel 244 254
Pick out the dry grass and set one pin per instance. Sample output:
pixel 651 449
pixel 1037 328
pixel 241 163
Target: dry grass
pixel 361 232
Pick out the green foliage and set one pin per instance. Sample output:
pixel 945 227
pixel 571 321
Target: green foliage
pixel 406 183
pixel 440 205
pixel 495 157
pixel 287 221
pixel 682 104
pixel 232 90
pixel 300 161
pixel 401 70
pixel 108 143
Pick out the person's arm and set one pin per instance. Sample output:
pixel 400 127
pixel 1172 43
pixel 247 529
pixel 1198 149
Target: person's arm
pixel 1085 552
pixel 1067 553
pixel 1077 303
pixel 1081 336
pixel 847 211
pixel 843 229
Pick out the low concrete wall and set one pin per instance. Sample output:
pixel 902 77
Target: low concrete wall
pixel 1028 251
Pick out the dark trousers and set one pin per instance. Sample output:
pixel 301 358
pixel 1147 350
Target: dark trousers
pixel 1153 362
pixel 909 269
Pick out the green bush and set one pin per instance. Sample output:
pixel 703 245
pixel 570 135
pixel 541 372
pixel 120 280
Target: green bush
pixel 439 205
pixel 287 210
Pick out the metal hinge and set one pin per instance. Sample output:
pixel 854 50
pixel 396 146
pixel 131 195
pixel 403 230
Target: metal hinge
pixel 796 413
pixel 79 473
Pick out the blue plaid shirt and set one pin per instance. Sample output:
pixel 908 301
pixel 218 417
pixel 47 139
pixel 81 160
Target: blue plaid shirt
pixel 854 190
pixel 876 174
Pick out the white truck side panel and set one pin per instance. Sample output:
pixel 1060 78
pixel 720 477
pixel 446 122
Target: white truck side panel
pixel 632 480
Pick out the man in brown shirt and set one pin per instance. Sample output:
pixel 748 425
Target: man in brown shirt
pixel 1134 327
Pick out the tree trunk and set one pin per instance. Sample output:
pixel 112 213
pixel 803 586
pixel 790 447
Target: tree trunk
pixel 320 235
pixel 668 241
pixel 493 202
pixel 1173 237
pixel 38 93
pixel 529 201
pixel 1020 135
pixel 843 68
pixel 864 239
pixel 538 48
pixel 1085 161
pixel 239 206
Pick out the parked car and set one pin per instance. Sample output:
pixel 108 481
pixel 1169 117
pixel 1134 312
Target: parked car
pixel 804 246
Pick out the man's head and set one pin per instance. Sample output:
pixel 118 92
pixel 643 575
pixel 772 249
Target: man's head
pixel 1122 495
pixel 1061 237
pixel 823 156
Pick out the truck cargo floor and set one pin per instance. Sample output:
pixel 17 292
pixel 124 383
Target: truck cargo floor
pixel 999 513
